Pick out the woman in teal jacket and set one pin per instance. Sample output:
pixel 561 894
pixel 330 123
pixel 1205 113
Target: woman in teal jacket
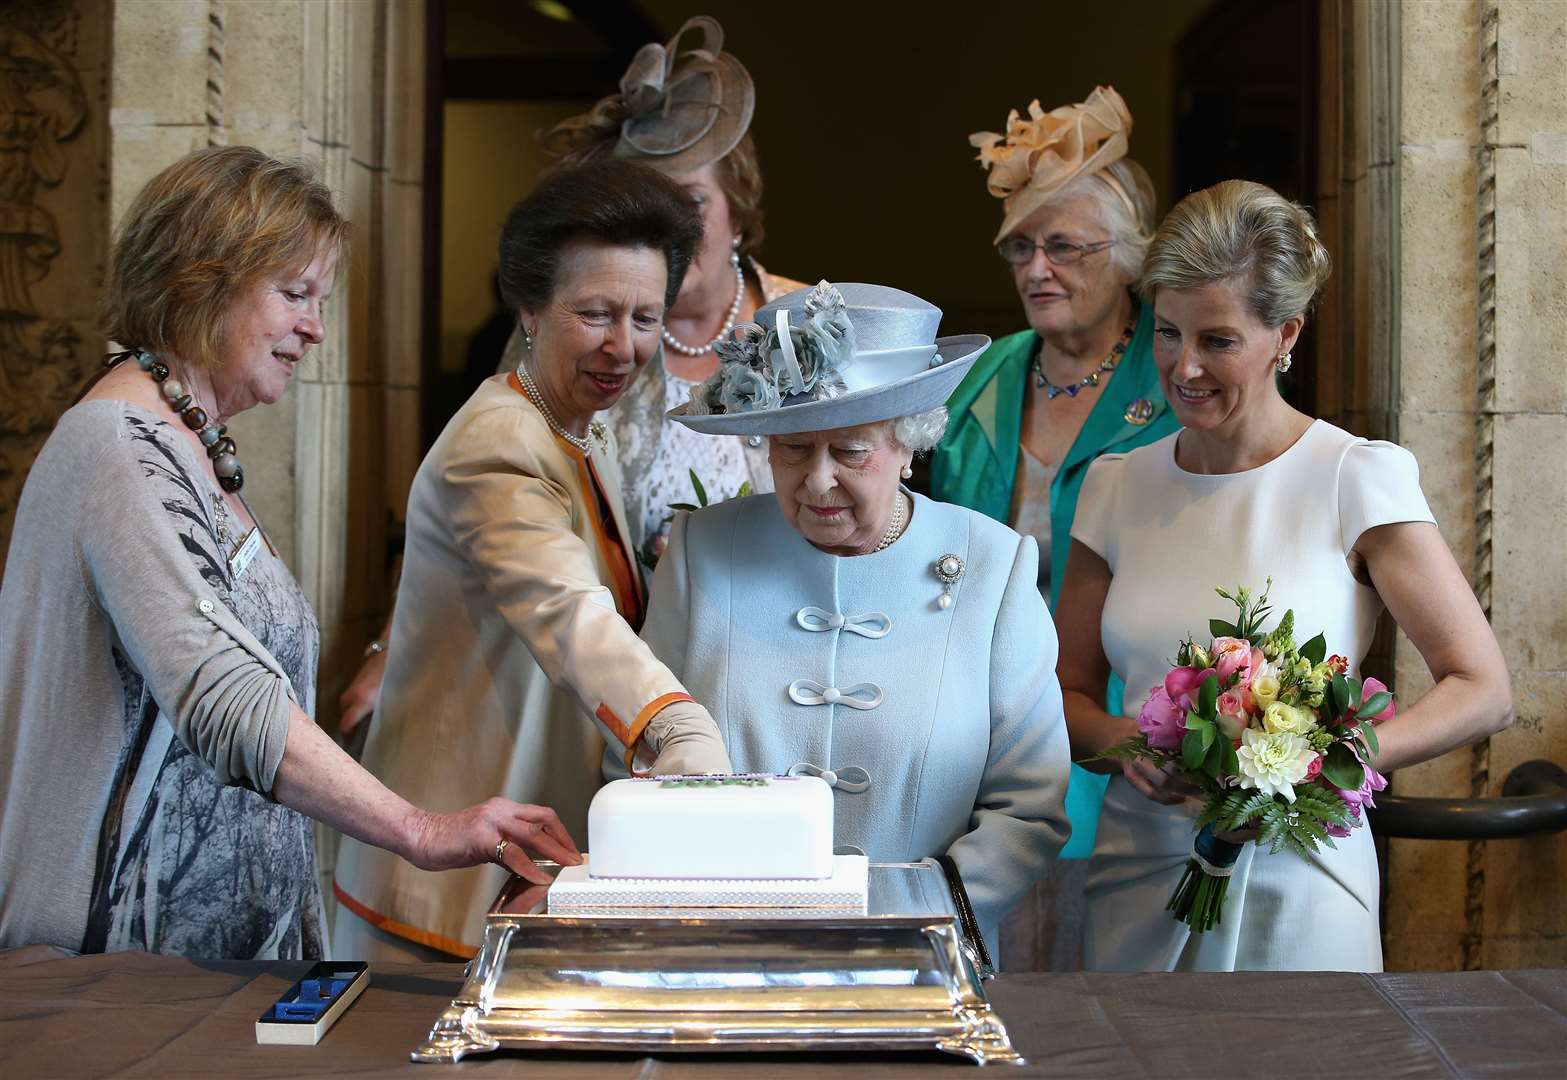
pixel 1041 405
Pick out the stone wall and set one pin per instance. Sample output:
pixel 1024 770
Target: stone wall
pixel 54 70
pixel 1482 403
pixel 337 82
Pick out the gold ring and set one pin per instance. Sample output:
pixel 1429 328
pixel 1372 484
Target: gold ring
pixel 500 850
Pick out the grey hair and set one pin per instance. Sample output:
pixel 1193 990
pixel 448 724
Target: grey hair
pixel 1131 232
pixel 1240 229
pixel 921 431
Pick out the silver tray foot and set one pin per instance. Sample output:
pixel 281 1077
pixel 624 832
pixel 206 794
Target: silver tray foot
pixel 984 1040
pixel 456 1033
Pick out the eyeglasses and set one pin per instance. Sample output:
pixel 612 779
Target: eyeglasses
pixel 1019 250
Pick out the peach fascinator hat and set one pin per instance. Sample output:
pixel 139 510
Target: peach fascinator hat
pixel 1039 156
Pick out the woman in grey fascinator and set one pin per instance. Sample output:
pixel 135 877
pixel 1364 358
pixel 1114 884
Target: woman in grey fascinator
pixel 685 108
pixel 847 628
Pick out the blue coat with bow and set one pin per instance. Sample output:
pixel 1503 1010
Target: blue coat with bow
pixel 942 727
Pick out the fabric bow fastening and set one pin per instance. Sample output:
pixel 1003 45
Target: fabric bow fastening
pixel 872 624
pixel 865 695
pixel 850 778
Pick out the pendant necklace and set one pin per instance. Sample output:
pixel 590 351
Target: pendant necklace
pixel 1052 391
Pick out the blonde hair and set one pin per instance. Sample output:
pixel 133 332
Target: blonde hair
pixel 1239 229
pixel 203 232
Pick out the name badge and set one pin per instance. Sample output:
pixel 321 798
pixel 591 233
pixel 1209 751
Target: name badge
pixel 240 561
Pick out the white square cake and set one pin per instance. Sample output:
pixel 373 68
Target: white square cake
pixel 739 846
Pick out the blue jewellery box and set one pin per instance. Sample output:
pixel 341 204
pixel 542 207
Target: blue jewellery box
pixel 312 1005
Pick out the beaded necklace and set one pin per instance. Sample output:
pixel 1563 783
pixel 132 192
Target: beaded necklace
pixel 1052 391
pixel 221 450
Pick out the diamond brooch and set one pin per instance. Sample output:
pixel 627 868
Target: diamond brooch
pixel 948 568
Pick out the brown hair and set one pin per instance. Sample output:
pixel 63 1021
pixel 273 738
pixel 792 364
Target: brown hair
pixel 594 135
pixel 199 235
pixel 617 201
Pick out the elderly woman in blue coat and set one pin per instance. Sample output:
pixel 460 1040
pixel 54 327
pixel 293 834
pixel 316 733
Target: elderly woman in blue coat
pixel 848 628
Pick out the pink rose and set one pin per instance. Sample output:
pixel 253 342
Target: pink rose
pixel 1232 656
pixel 1369 689
pixel 1314 770
pixel 1162 720
pixel 1182 683
pixel 1232 712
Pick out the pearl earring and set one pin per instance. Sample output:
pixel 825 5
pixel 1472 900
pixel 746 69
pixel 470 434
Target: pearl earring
pixel 1283 363
pixel 907 472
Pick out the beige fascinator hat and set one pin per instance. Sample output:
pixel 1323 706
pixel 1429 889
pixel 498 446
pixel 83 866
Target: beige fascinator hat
pixel 681 105
pixel 833 356
pixel 1039 156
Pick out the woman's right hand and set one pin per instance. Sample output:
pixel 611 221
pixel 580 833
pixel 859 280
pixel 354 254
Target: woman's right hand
pixel 469 838
pixel 688 741
pixel 1162 785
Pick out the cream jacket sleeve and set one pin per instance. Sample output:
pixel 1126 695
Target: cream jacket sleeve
pixel 516 514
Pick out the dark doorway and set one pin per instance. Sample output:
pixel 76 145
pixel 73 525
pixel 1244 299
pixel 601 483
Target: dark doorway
pixel 496 73
pixel 1246 107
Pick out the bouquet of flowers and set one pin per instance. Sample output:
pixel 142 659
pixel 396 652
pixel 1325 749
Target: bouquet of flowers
pixel 1277 736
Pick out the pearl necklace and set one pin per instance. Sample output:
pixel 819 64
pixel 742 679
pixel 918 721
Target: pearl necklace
pixel 895 526
pixel 531 388
pixel 723 331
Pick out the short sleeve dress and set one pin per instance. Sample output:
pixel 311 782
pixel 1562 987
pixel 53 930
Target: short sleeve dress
pixel 1169 537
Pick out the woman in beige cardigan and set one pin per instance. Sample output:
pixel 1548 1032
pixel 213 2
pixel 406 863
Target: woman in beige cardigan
pixel 520 598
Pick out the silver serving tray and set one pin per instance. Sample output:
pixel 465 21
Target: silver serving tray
pixel 906 976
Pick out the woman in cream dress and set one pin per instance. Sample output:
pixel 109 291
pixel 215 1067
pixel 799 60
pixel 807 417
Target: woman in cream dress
pixel 1251 489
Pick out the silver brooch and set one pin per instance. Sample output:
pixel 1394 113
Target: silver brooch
pixel 948 568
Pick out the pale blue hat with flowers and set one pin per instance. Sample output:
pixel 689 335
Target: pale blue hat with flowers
pixel 831 357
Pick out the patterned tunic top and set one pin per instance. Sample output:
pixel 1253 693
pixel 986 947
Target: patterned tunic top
pixel 144 709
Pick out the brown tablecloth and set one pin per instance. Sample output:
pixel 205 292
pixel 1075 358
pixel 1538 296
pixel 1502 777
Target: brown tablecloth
pixel 134 1014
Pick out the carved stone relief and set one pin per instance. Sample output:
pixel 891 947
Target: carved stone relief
pixel 53 221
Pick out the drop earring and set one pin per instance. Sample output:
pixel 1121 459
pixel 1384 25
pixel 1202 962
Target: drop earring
pixel 1283 363
pixel 907 473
